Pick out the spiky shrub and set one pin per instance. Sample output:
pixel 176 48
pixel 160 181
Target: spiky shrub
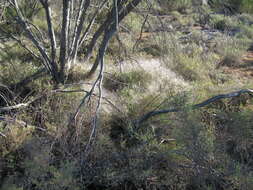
pixel 180 5
pixel 232 6
pixel 222 23
pixel 226 6
pixel 132 79
pixel 246 6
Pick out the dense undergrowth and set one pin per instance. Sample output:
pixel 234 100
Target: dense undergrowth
pixel 197 52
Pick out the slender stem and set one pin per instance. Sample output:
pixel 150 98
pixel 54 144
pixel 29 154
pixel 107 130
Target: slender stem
pixel 51 35
pixel 64 38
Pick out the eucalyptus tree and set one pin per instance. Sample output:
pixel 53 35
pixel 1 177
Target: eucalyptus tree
pixel 83 23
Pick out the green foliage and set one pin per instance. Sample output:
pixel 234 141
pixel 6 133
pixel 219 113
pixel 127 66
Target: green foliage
pixel 232 6
pixel 230 60
pixel 224 6
pixel 222 23
pixel 133 22
pixel 245 18
pixel 246 32
pixel 132 79
pixel 37 173
pixel 153 50
pixel 209 148
pixel 247 6
pixel 240 126
pixel 10 186
pixel 188 67
pixel 178 5
pixel 231 48
pixel 195 136
pixel 42 175
pixel 17 64
pixel 28 8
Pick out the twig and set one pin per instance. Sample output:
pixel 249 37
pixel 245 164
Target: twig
pixel 93 94
pixel 137 42
pixel 3 135
pixel 22 105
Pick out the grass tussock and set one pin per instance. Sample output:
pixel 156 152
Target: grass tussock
pixel 132 79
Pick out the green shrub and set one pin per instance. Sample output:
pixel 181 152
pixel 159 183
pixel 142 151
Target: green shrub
pixel 153 50
pixel 132 79
pixel 246 31
pixel 226 45
pixel 178 5
pixel 245 18
pixel 38 173
pixel 246 6
pixel 226 6
pixel 223 23
pixel 232 6
pixel 187 67
pixel 230 60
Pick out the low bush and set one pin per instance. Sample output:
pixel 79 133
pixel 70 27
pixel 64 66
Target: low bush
pixel 132 79
pixel 187 67
pixel 171 5
pixel 222 23
pixel 230 60
pixel 246 6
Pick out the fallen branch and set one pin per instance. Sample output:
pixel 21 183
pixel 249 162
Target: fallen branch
pixel 148 115
pixel 19 106
pixel 3 135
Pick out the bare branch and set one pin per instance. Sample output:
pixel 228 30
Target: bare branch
pixel 123 10
pixel 79 26
pixel 21 20
pixel 106 39
pixel 64 37
pixel 99 9
pixel 95 119
pixel 141 32
pixel 19 106
pixel 148 115
pixel 2 9
pixel 109 33
pixel 21 44
pixel 51 33
pixel 107 100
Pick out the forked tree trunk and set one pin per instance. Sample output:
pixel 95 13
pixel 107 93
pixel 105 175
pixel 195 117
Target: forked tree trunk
pixel 76 29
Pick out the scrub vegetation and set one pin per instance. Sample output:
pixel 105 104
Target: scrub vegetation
pixel 151 95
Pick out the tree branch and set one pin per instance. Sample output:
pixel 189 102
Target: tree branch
pixel 78 27
pixel 64 37
pixel 87 30
pixel 19 106
pixel 21 20
pixel 21 44
pixel 51 33
pixel 110 30
pixel 148 115
pixel 123 9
